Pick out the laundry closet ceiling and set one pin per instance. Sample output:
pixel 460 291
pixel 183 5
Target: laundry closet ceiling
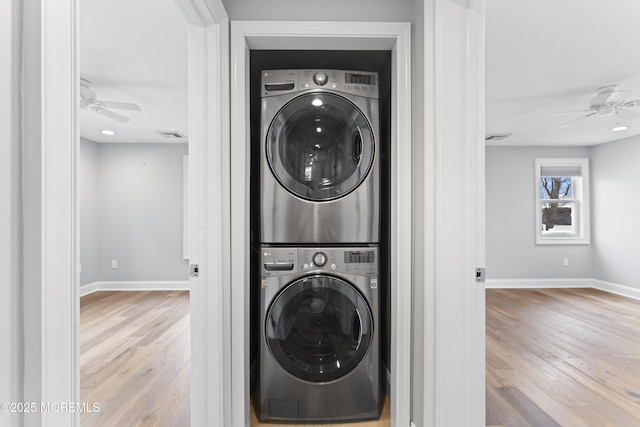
pixel 134 52
pixel 542 57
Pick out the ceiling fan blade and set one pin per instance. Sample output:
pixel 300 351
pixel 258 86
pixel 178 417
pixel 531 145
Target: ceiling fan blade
pixel 569 112
pixel 120 105
pixel 627 114
pixel 603 95
pixel 112 115
pixel 634 103
pixel 569 123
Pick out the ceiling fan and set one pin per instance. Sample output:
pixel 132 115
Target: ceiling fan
pixel 608 101
pixel 89 101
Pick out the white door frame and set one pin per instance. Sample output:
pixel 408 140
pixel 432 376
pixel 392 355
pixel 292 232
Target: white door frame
pixel 209 177
pixel 396 37
pixel 51 147
pixel 452 247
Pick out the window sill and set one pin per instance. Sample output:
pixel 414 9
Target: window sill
pixel 547 240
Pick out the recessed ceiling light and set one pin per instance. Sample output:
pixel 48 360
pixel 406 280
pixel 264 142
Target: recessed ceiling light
pixel 619 128
pixel 108 132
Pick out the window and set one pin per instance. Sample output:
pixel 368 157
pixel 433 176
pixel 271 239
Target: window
pixel 562 201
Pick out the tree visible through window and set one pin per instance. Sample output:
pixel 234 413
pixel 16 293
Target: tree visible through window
pixel 562 200
pixel 555 194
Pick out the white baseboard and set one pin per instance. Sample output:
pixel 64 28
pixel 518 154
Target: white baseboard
pixel 537 283
pixel 89 288
pixel 177 285
pixel 614 288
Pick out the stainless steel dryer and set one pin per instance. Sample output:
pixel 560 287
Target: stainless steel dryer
pixel 319 178
pixel 319 339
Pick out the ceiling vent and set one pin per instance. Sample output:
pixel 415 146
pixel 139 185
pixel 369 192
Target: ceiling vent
pixel 493 137
pixel 171 134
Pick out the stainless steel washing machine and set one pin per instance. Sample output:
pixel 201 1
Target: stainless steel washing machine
pixel 319 339
pixel 319 178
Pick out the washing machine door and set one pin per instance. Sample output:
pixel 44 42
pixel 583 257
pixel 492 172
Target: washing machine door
pixel 319 328
pixel 320 146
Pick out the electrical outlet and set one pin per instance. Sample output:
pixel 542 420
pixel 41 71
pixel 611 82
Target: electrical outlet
pixel 565 262
pixel 114 263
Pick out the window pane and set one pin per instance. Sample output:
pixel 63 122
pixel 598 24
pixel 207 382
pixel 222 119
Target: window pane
pixel 556 187
pixel 558 218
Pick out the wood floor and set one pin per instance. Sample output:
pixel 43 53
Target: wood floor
pixel 562 357
pixel 554 358
pixel 135 358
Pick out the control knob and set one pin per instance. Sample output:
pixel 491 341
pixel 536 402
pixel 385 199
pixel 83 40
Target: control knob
pixel 320 78
pixel 319 259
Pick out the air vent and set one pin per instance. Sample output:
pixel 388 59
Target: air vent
pixel 171 134
pixel 497 136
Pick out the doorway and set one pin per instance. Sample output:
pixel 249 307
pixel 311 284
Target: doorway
pixel 391 37
pixel 133 122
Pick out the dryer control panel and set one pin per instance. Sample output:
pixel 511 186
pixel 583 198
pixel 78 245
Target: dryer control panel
pixel 361 261
pixel 278 82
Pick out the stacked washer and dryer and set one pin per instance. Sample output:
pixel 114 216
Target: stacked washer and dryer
pixel 319 256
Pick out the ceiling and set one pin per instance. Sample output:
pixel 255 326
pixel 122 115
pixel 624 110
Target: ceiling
pixel 135 52
pixel 546 56
pixel 542 57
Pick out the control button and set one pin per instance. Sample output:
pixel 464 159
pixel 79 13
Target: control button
pixel 320 78
pixel 333 266
pixel 373 284
pixel 306 266
pixel 334 85
pixel 306 84
pixel 319 259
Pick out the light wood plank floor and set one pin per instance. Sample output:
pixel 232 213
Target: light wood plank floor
pixel 135 358
pixel 562 357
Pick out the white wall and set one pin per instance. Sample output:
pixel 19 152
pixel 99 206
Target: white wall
pixel 11 352
pixel 131 212
pixel 510 200
pixel 615 180
pixel 328 10
pixel 89 195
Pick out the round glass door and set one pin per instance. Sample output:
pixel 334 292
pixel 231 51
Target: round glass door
pixel 320 146
pixel 319 328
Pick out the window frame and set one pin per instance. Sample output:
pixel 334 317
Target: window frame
pixel 580 199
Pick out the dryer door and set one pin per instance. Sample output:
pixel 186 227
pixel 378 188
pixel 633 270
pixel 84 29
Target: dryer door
pixel 320 146
pixel 319 328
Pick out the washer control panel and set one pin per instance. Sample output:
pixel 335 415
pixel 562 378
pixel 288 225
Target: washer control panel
pixel 278 261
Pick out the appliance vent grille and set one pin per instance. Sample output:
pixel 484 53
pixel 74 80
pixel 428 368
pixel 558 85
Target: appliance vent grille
pixel 173 134
pixel 497 136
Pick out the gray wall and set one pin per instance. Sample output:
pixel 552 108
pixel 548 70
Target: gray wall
pixel 88 187
pixel 329 10
pixel 132 207
pixel 11 353
pixel 615 176
pixel 510 208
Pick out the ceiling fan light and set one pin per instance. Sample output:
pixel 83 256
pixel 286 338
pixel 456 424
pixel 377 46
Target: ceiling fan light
pixel 619 128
